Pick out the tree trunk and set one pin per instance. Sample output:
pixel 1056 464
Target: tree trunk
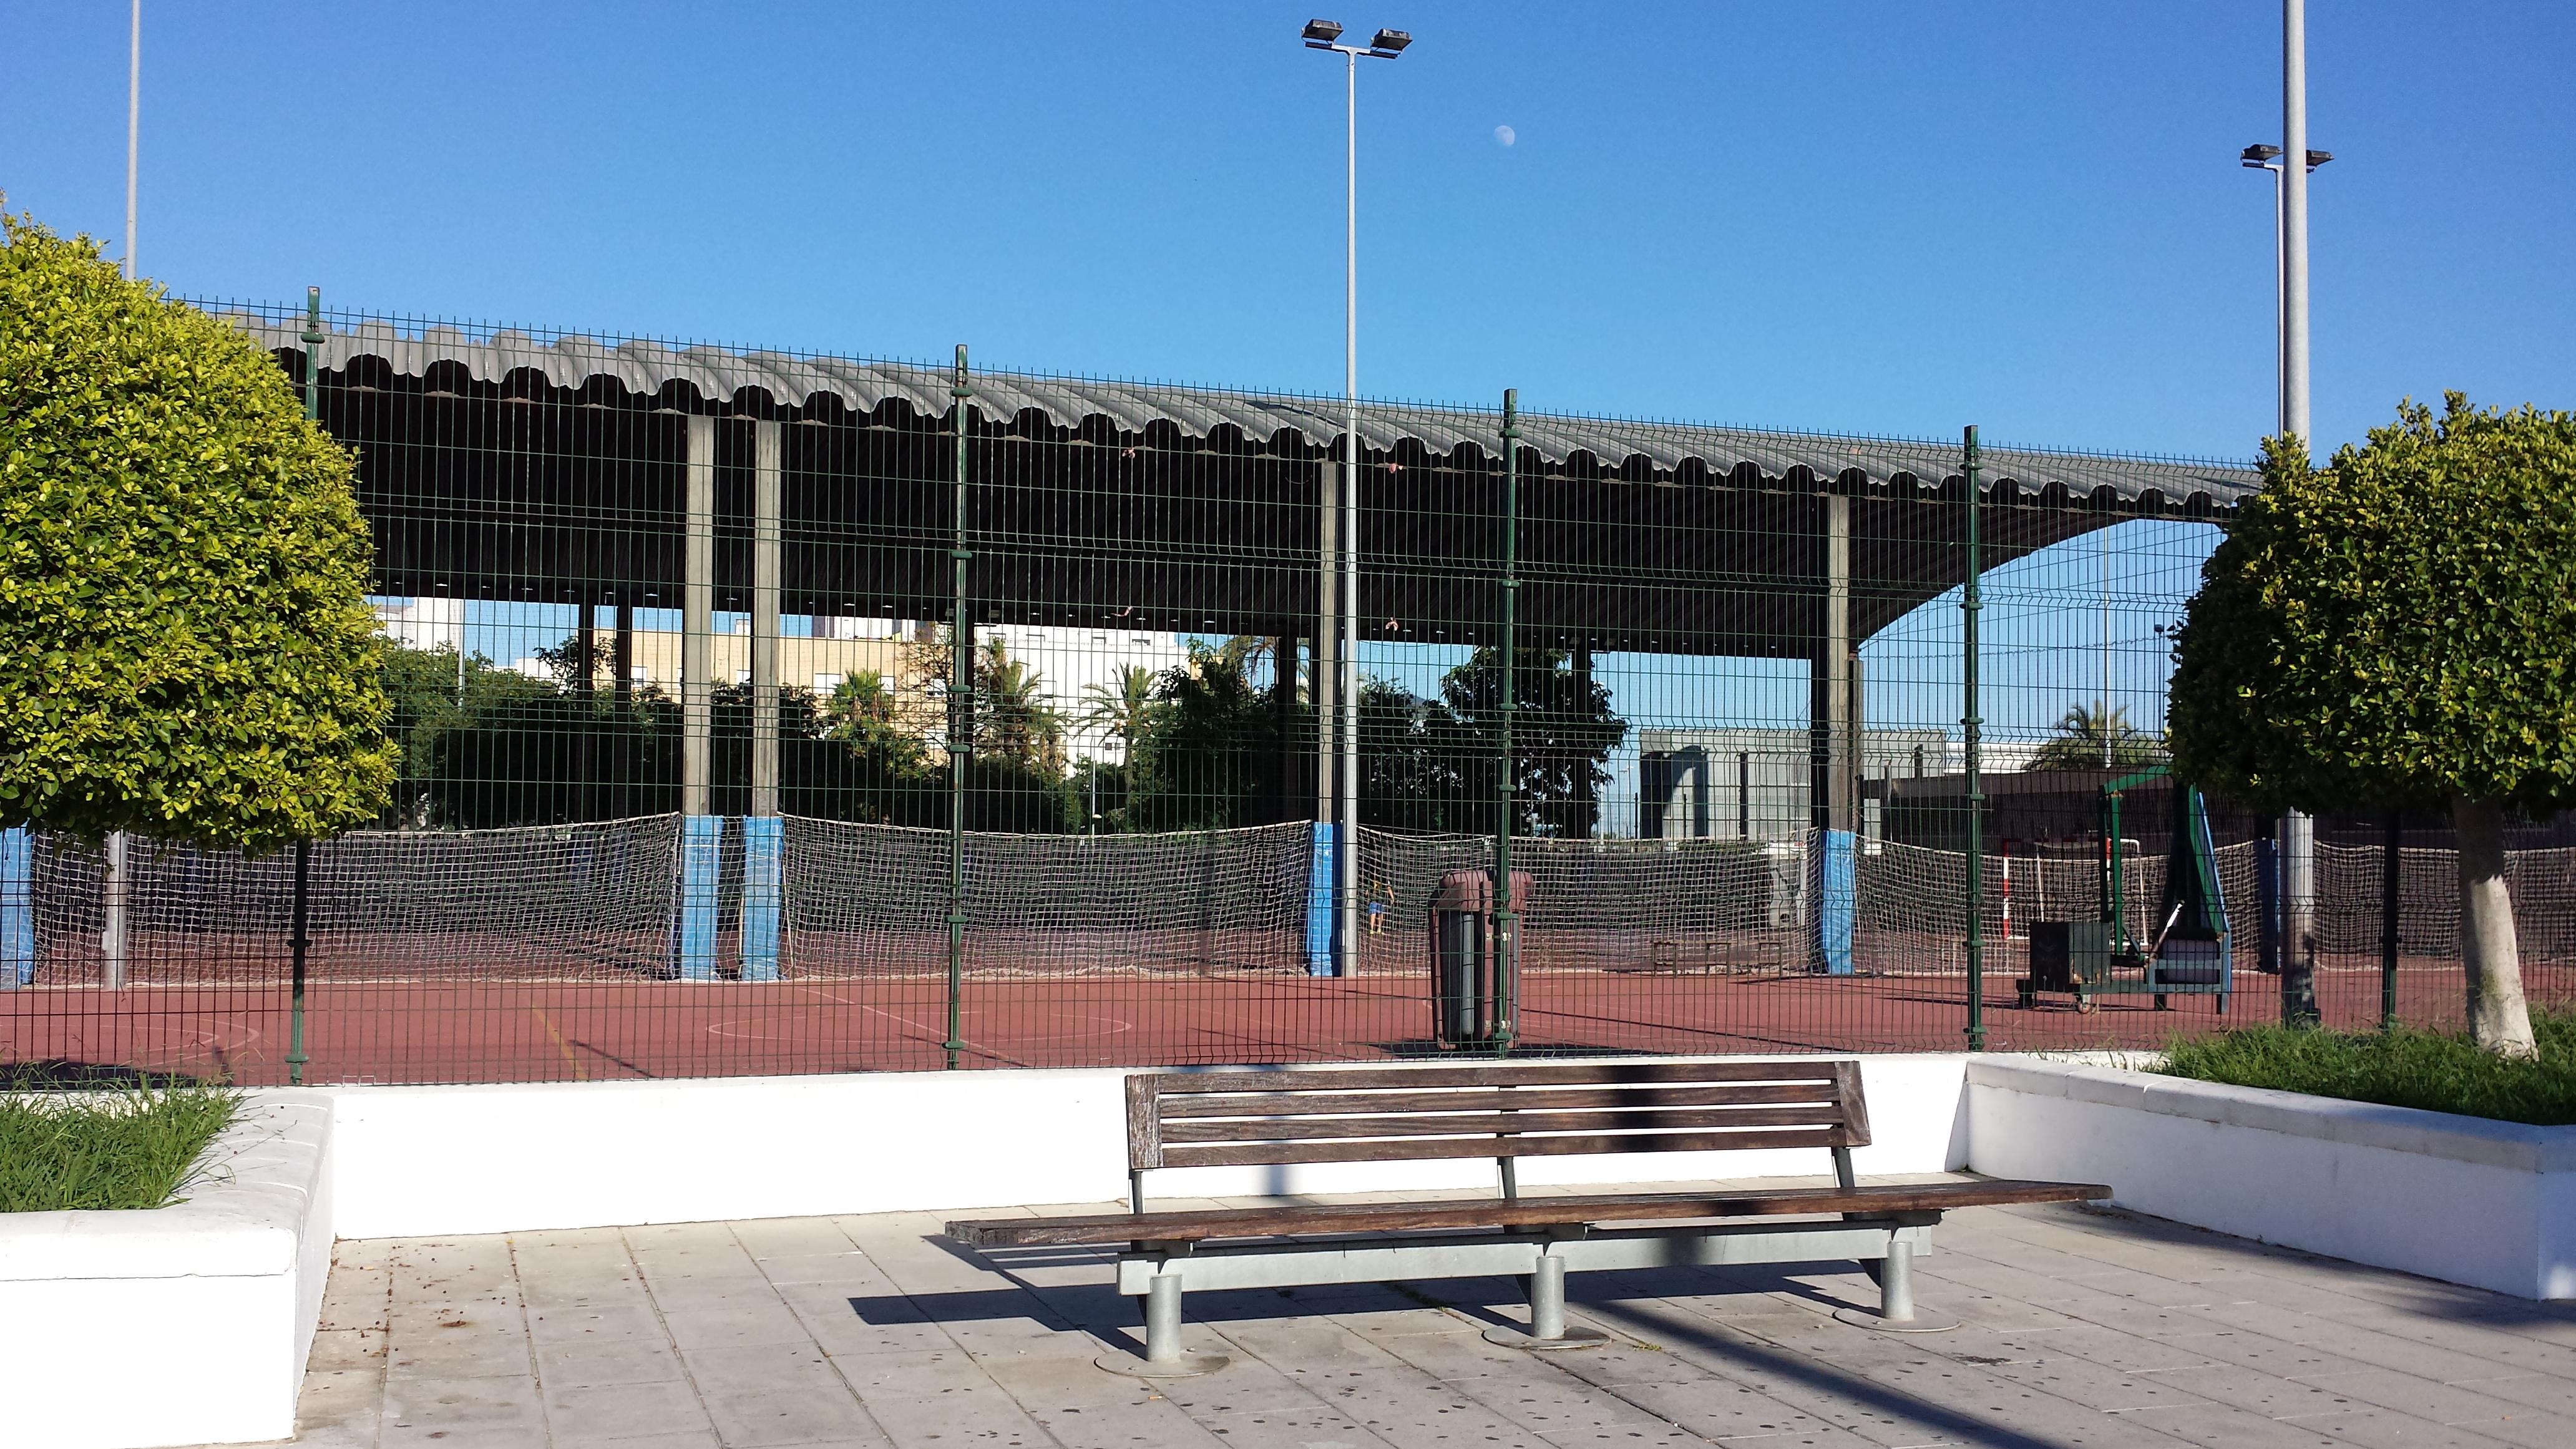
pixel 2498 1019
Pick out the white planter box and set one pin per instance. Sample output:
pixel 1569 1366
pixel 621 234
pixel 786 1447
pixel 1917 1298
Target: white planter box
pixel 178 1325
pixel 2462 1199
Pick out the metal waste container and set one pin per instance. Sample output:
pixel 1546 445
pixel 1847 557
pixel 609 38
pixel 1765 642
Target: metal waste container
pixel 1472 999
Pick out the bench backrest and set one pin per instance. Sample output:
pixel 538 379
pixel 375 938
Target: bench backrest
pixel 1503 1110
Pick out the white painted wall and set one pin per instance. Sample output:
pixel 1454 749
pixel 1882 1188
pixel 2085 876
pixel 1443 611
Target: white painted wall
pixel 428 1160
pixel 180 1325
pixel 2488 1204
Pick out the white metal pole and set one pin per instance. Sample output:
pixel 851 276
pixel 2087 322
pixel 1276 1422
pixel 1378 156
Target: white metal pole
pixel 1346 855
pixel 112 897
pixel 2298 832
pixel 2294 216
pixel 2280 314
pixel 133 125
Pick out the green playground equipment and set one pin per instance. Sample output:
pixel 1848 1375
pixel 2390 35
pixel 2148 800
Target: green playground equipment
pixel 2190 952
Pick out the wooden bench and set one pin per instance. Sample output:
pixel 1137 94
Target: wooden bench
pixel 1506 1112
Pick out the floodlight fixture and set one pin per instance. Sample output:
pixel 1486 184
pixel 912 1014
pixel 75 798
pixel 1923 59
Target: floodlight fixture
pixel 2319 158
pixel 1323 32
pixel 1390 42
pixel 2258 155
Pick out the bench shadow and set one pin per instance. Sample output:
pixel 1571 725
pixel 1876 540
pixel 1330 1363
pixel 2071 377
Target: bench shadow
pixel 1620 1301
pixel 1097 1308
pixel 1817 1375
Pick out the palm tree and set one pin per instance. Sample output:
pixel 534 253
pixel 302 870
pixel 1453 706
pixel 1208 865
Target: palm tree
pixel 1013 716
pixel 2089 739
pixel 862 698
pixel 1119 708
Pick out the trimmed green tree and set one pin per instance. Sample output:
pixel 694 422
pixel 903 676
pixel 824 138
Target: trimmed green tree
pixel 2398 629
pixel 186 650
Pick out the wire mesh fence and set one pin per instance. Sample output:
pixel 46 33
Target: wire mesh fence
pixel 769 712
pixel 545 953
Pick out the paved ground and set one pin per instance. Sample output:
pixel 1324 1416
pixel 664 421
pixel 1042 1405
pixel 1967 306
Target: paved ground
pixel 2083 1330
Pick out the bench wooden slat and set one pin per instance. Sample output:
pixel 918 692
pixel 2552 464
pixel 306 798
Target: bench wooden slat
pixel 1326 1104
pixel 1491 1214
pixel 1406 1077
pixel 1426 1149
pixel 1855 1109
pixel 1453 1124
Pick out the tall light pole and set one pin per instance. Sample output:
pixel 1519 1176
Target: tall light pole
pixel 113 887
pixel 133 125
pixel 1342 535
pixel 2267 158
pixel 2290 167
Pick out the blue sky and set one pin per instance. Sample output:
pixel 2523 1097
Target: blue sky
pixel 1867 217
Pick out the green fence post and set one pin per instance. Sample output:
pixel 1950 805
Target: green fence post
pixel 961 727
pixel 298 943
pixel 1969 724
pixel 2391 884
pixel 1506 920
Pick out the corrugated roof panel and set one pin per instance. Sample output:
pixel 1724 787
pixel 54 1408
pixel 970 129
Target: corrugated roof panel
pixel 647 368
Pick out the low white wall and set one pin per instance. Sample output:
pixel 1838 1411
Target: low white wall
pixel 424 1160
pixel 187 1324
pixel 2488 1204
pixel 414 1161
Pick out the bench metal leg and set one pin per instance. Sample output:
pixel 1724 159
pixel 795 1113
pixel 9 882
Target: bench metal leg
pixel 1547 1313
pixel 1547 1298
pixel 1163 1319
pixel 1163 1357
pixel 1895 1284
pixel 1896 1314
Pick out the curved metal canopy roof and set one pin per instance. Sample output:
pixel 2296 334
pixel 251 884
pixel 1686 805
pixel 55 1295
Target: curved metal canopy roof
pixel 723 379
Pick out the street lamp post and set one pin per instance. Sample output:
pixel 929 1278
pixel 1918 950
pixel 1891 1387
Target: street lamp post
pixel 2297 833
pixel 1341 540
pixel 2266 158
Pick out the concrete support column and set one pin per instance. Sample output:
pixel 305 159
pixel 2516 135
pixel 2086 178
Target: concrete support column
pixel 763 832
pixel 1323 679
pixel 585 690
pixel 701 833
pixel 697 623
pixel 1282 804
pixel 621 658
pixel 1587 804
pixel 1832 697
pixel 764 619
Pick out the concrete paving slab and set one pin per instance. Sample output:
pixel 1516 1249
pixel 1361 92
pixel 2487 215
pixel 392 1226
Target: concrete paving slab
pixel 2081 1330
pixel 593 1413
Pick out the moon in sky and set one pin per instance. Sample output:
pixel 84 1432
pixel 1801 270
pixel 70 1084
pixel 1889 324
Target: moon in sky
pixel 1506 135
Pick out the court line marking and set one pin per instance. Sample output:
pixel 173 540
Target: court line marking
pixel 580 1068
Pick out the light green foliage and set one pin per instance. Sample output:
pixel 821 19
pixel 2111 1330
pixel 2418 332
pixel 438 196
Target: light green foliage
pixel 2398 627
pixel 185 646
pixel 94 1150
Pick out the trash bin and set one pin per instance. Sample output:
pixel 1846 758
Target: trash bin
pixel 1470 1004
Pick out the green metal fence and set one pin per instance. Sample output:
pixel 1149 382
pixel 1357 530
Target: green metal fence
pixel 765 711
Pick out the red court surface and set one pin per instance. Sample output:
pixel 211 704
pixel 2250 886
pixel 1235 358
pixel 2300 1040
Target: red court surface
pixel 589 1031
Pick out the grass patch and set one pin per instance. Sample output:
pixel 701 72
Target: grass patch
pixel 2436 1071
pixel 127 1147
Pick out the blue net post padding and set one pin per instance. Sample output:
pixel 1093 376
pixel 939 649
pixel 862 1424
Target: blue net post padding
pixel 17 908
pixel 701 867
pixel 761 837
pixel 1837 900
pixel 1320 960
